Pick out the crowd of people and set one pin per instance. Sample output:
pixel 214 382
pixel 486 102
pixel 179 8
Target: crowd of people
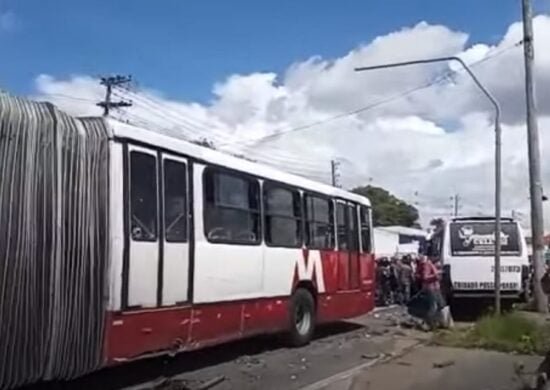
pixel 412 280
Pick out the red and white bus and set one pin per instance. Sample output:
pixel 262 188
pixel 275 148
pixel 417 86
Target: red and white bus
pixel 119 243
pixel 208 248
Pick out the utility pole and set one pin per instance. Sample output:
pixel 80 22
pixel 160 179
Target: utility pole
pixel 456 199
pixel 535 183
pixel 334 164
pixel 109 82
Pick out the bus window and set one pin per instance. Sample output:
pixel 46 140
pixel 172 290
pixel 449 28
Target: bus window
pixel 283 216
pixel 366 242
pixel 231 208
pixel 354 228
pixel 342 227
pixel 319 222
pixel 175 201
pixel 143 196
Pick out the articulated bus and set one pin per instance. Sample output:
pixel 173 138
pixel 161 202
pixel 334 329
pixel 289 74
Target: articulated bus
pixel 123 243
pixel 465 247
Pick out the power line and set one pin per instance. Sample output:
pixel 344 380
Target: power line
pixel 254 154
pixel 59 95
pixel 279 162
pixel 179 120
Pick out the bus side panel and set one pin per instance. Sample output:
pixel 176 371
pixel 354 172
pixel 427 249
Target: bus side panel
pixel 140 333
pixel 222 272
pixel 136 333
pixel 347 304
pixel 330 261
pixel 367 265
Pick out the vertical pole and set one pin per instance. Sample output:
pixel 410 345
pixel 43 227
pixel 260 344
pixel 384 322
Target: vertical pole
pixel 456 205
pixel 498 241
pixel 333 172
pixel 535 183
pixel 109 82
pixel 108 91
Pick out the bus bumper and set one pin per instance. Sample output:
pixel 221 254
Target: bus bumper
pixel 515 295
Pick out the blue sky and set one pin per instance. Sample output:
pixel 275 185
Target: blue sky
pixel 183 47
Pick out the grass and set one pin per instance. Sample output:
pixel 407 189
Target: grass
pixel 512 332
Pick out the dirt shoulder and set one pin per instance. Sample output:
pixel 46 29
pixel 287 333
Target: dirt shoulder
pixel 436 368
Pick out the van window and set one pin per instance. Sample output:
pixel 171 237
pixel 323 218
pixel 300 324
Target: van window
pixel 478 238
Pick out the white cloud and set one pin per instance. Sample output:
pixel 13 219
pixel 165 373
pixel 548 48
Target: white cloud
pixel 424 146
pixel 8 21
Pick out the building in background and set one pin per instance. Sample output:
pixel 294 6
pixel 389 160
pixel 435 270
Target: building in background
pixel 398 240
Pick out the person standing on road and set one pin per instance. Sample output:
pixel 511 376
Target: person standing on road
pixel 429 278
pixel 405 279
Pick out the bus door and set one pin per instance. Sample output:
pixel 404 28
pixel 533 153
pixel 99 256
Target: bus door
pixel 156 264
pixel 348 246
pixel 141 262
pixel 174 265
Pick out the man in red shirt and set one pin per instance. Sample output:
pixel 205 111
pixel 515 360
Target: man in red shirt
pixel 429 277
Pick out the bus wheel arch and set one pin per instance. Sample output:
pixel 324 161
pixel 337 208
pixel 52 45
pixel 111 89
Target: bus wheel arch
pixel 302 314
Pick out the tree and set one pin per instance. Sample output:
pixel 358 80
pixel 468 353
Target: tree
pixel 204 142
pixel 437 222
pixel 387 209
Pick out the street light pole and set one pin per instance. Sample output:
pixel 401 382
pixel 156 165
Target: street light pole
pixel 535 182
pixel 496 108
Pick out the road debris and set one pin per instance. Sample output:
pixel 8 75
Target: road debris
pixel 407 364
pixel 181 384
pixel 370 356
pixel 443 364
pixel 211 383
pixel 171 384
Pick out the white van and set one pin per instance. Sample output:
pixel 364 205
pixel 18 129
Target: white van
pixel 465 247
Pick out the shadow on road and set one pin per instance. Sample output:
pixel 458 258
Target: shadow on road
pixel 141 371
pixel 469 310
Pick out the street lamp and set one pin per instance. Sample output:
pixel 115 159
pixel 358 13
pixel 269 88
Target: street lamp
pixel 496 107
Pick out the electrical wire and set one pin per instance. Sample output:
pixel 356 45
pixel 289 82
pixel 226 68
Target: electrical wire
pixel 280 132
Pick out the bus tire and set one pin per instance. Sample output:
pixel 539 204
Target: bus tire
pixel 302 318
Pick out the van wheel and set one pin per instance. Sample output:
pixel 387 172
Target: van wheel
pixel 302 318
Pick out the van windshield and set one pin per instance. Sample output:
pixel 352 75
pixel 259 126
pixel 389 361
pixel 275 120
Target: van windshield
pixel 478 239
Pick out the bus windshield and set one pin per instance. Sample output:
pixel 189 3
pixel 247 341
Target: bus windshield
pixel 478 239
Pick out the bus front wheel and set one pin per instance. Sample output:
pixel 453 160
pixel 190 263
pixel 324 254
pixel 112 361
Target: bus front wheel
pixel 302 317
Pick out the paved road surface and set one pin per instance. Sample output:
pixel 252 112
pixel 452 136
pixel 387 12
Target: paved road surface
pixel 261 363
pixel 467 370
pixel 265 364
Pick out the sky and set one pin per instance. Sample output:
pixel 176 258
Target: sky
pixel 183 47
pixel 237 72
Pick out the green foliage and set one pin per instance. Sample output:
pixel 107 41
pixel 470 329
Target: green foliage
pixel 437 222
pixel 388 210
pixel 507 333
pixel 204 142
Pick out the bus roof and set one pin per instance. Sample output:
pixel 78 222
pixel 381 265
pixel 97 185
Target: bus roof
pixel 179 145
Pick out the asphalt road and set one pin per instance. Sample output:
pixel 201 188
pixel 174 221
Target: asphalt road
pixel 433 368
pixel 264 363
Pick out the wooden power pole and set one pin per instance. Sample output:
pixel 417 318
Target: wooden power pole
pixel 110 82
pixel 334 173
pixel 535 182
